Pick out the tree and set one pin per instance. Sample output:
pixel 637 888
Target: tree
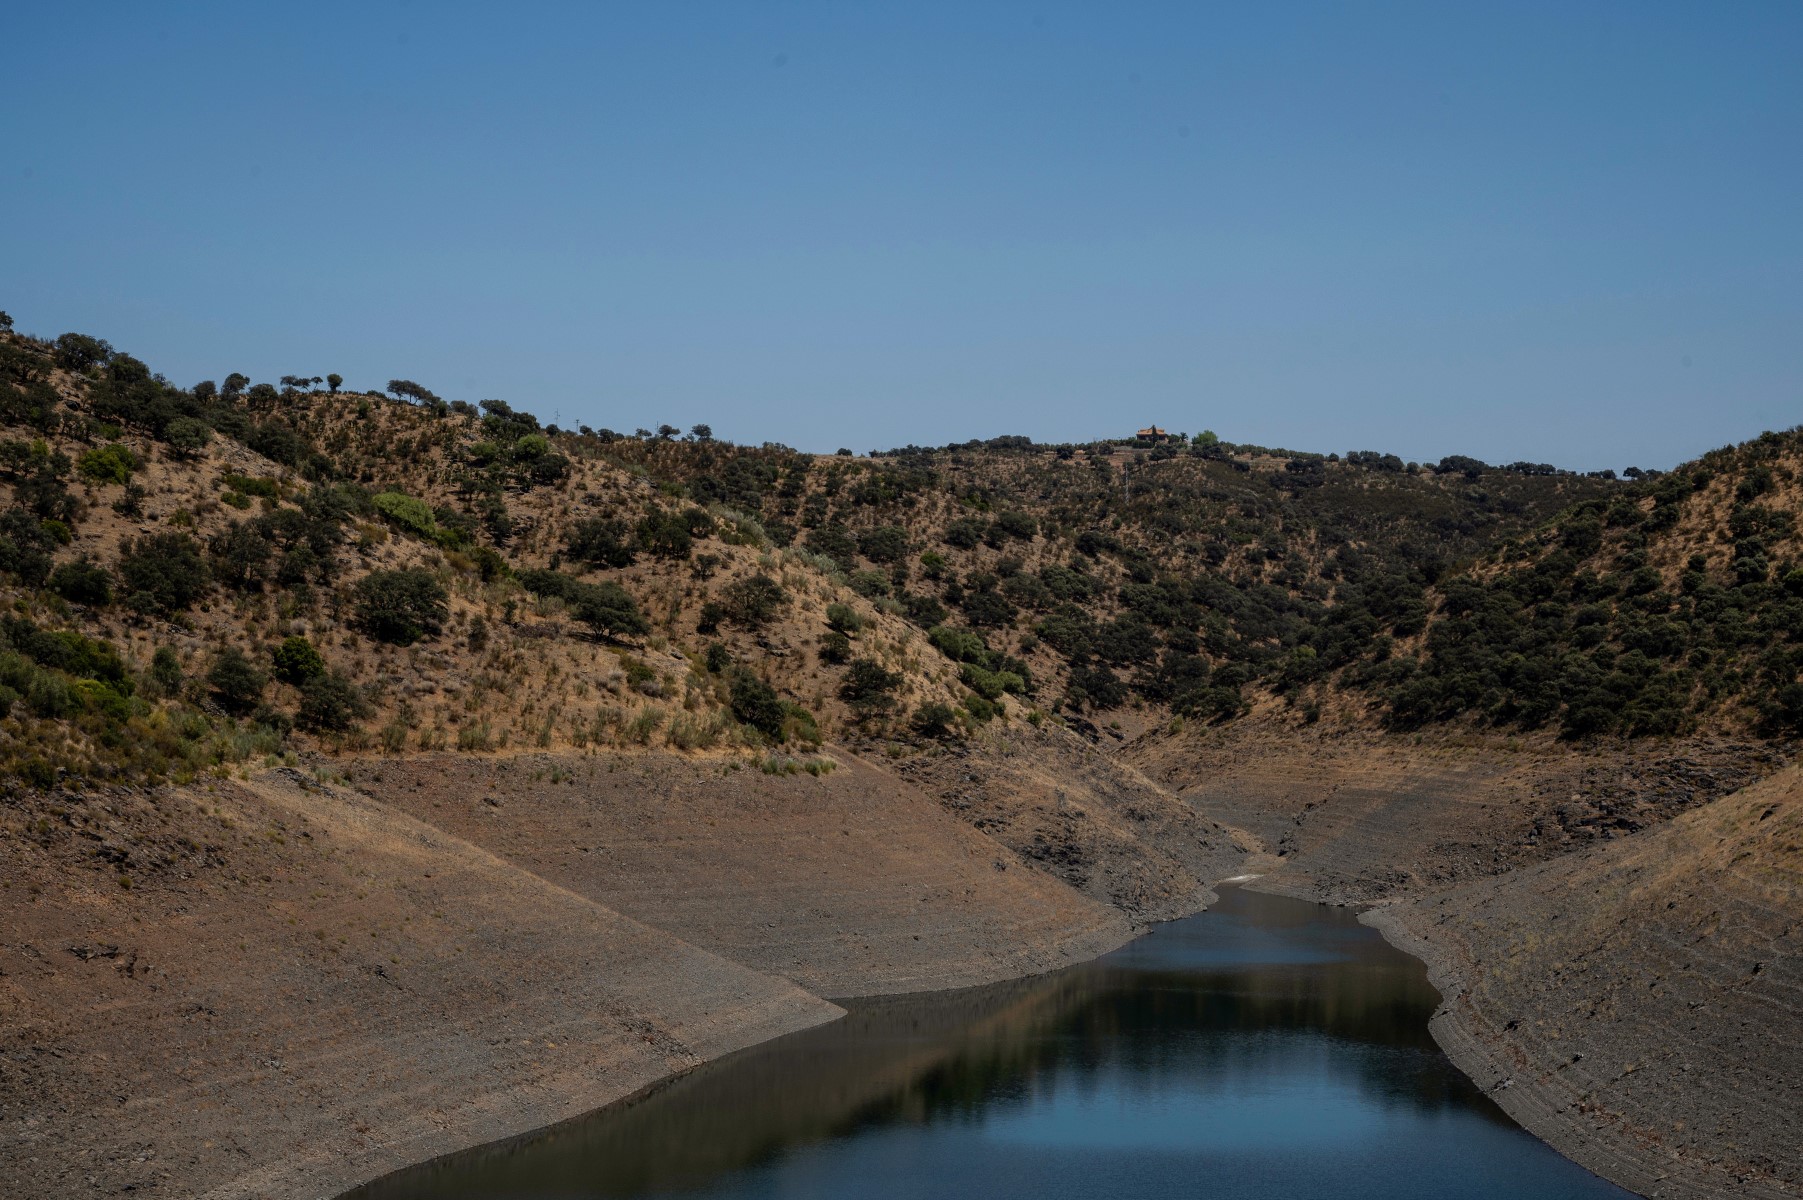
pixel 755 703
pixel 702 433
pixel 601 541
pixel 163 572
pixel 751 602
pixel 334 381
pixel 406 389
pixel 236 681
pixel 330 703
pixel 666 432
pixel 78 351
pixel 401 607
pixel 6 322
pixel 166 670
pixel 82 582
pixel 868 687
pixel 934 719
pixel 234 385
pixel 297 661
pixel 607 609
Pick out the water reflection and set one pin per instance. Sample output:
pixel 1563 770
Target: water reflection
pixel 1266 1047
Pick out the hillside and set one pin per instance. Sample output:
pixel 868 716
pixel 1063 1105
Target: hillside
pixel 764 726
pixel 451 577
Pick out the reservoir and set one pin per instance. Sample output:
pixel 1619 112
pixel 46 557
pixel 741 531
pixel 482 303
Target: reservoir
pixel 1266 1048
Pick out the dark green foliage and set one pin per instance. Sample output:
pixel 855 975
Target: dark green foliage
pixel 718 658
pixel 600 541
pixel 606 608
pixel 755 703
pixel 401 607
pixel 83 582
pixel 236 681
pixel 753 601
pixel 966 533
pixel 835 647
pixel 836 542
pixel 166 670
pixel 671 535
pixel 78 352
pixel 162 572
pixel 868 687
pixel 186 437
pixel 884 544
pixel 330 703
pixel 297 660
pixel 934 720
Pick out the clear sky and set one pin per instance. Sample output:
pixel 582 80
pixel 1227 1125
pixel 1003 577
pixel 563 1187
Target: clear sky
pixel 1560 232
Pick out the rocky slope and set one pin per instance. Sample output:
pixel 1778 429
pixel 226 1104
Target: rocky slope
pixel 1639 1004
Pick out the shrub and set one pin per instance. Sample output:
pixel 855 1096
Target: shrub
pixel 82 582
pixel 718 658
pixel 835 647
pixel 330 703
pixel 186 437
pixel 108 464
pixel 885 544
pixel 401 607
pixel 408 512
pixel 600 541
pixel 868 687
pixel 755 703
pixel 297 661
pixel 163 572
pixel 933 720
pixel 236 681
pixel 843 618
pixel 606 608
pixel 166 670
pixel 751 602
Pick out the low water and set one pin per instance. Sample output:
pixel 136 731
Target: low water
pixel 1266 1048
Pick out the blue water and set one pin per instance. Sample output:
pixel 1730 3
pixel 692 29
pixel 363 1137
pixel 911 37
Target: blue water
pixel 1268 1048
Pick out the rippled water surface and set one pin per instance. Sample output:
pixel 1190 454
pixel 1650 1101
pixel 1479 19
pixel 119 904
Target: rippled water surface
pixel 1267 1048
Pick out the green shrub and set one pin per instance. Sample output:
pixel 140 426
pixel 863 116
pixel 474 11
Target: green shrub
pixel 83 582
pixel 108 464
pixel 835 647
pixel 186 437
pixel 166 670
pixel 755 703
pixel 753 601
pixel 330 703
pixel 933 719
pixel 401 607
pixel 163 572
pixel 843 618
pixel 408 512
pixel 868 687
pixel 297 661
pixel 236 681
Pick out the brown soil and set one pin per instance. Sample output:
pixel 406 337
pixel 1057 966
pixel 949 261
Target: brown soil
pixel 852 884
pixel 278 988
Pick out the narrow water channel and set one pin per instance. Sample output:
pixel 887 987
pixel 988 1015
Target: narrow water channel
pixel 1266 1048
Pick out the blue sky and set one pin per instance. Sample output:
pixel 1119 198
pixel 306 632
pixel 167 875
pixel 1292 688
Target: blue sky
pixel 1564 233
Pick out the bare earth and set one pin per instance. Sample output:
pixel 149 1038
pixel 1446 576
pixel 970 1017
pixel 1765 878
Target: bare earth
pixel 277 988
